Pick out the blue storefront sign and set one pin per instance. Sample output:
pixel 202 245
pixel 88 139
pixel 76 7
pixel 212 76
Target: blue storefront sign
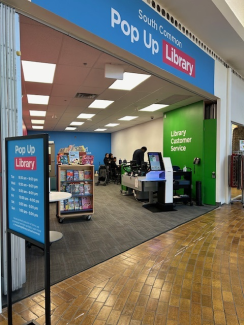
pixel 26 181
pixel 138 29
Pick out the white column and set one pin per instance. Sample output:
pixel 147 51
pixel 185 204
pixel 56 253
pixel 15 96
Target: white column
pixel 11 125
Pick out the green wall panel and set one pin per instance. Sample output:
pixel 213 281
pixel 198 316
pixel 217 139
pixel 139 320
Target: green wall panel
pixel 183 138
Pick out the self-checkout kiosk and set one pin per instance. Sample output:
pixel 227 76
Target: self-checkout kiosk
pixel 161 171
pixel 158 179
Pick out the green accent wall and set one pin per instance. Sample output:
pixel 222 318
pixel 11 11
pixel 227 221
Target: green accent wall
pixel 183 139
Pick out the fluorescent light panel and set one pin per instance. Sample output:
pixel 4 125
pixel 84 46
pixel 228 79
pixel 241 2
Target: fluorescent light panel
pixel 77 123
pixel 39 127
pixel 153 108
pixel 37 121
pixel 112 125
pixel 130 81
pixel 38 113
pixel 38 99
pixel 100 130
pixel 38 71
pixel 128 118
pixel 85 116
pixel 70 128
pixel 99 103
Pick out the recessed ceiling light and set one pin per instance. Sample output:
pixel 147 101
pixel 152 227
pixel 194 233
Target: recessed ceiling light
pixel 100 130
pixel 77 123
pixel 37 121
pixel 70 128
pixel 86 116
pixel 153 108
pixel 38 71
pixel 111 125
pixel 128 118
pixel 99 103
pixel 130 81
pixel 39 127
pixel 38 99
pixel 38 113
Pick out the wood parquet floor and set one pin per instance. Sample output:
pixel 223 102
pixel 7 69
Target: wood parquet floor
pixel 193 274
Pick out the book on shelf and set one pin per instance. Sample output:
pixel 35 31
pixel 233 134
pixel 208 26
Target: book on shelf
pixel 86 202
pixel 75 189
pixel 74 157
pixel 77 203
pixel 63 175
pixel 87 174
pixel 87 160
pixel 61 205
pixel 71 204
pixel 63 188
pixel 70 175
pixel 88 189
pixel 81 175
pixel 64 159
pixel 66 205
pixel 81 189
pixel 68 188
pixel 76 175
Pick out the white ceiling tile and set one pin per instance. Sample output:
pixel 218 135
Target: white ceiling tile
pixel 70 75
pixel 40 43
pixel 77 53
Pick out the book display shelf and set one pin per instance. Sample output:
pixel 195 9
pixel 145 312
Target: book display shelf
pixel 79 181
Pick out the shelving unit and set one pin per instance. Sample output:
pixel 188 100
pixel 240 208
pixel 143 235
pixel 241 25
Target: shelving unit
pixel 183 180
pixel 79 181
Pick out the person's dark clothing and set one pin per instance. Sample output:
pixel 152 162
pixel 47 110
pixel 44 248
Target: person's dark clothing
pixel 138 155
pixel 113 164
pixel 106 161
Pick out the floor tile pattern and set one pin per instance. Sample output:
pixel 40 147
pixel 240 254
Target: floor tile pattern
pixel 119 223
pixel 193 274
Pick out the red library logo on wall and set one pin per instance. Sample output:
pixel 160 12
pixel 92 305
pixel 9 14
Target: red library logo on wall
pixel 178 59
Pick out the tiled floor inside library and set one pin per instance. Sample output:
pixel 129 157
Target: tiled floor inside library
pixel 193 274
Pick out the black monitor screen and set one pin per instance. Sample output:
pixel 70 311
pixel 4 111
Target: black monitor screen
pixel 155 161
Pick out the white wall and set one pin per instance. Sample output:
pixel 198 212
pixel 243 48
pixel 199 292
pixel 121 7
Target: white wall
pixel 237 100
pixel 223 123
pixel 149 134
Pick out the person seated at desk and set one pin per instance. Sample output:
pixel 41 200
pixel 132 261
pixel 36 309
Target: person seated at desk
pixel 138 155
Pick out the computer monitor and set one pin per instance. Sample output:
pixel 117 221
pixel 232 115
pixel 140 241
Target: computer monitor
pixel 155 161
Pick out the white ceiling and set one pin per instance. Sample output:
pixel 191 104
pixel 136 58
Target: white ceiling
pixel 80 68
pixel 214 24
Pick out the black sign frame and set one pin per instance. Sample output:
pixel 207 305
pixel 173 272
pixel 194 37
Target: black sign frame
pixel 46 245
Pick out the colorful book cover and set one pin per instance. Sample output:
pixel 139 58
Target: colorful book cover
pixel 87 174
pixel 70 175
pixel 64 160
pixel 81 189
pixel 74 157
pixel 68 189
pixel 75 189
pixel 87 160
pixel 71 204
pixel 77 203
pixel 66 205
pixel 63 175
pixel 61 205
pixel 88 189
pixel 81 175
pixel 86 203
pixel 76 175
pixel 63 188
